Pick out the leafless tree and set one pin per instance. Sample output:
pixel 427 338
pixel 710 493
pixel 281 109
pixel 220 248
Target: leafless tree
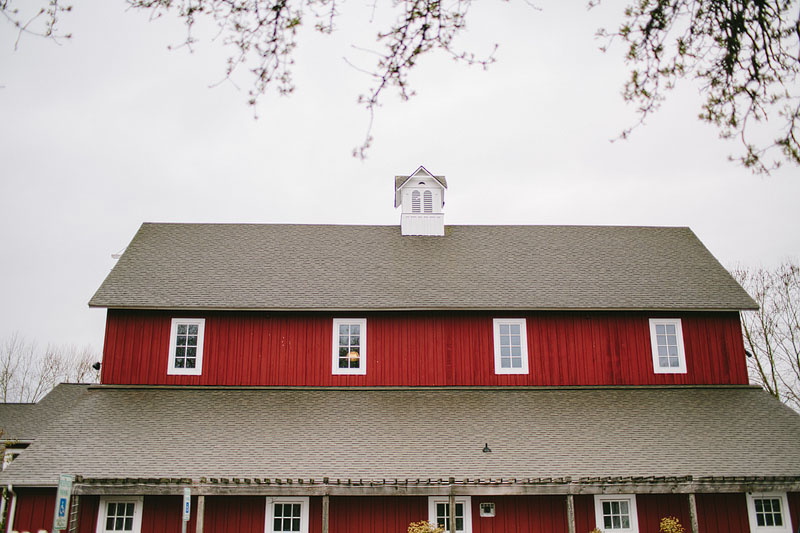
pixel 27 372
pixel 743 52
pixel 772 334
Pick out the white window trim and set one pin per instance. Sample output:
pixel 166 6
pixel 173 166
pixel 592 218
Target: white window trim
pixel 523 331
pixel 785 514
pixel 362 367
pixel 598 512
pixel 138 502
pixel 173 336
pixel 465 500
pixel 302 500
pixel 681 368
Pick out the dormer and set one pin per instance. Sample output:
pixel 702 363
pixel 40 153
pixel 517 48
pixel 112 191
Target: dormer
pixel 421 199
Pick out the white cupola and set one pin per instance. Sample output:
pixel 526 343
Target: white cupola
pixel 421 199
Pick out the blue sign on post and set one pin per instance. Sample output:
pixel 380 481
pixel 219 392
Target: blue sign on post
pixel 187 504
pixel 62 502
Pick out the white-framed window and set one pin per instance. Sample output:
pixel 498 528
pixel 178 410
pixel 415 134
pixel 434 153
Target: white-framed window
pixel 287 514
pixel 616 513
pixel 439 512
pixel 186 346
pixel 510 346
pixel 666 340
pixel 120 513
pixel 349 346
pixel 427 199
pixel 769 512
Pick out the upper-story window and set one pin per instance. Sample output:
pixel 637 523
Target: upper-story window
pixel 666 339
pixel 415 206
pixel 616 513
pixel 427 201
pixel 349 346
pixel 439 513
pixel 186 346
pixel 769 513
pixel 510 346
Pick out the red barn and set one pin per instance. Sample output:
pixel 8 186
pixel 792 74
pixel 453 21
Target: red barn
pixel 327 379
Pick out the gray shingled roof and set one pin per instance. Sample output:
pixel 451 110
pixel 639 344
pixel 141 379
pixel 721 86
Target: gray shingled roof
pixel 24 421
pixel 319 267
pixel 420 433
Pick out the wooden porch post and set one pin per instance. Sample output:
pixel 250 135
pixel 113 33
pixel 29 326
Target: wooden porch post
pixel 201 511
pixel 326 502
pixel 570 513
pixel 693 513
pixel 452 508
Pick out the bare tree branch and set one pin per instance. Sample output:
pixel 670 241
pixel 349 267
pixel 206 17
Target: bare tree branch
pixel 28 373
pixel 772 334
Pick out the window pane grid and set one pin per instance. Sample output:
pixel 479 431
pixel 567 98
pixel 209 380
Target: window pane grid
pixel 510 346
pixel 349 345
pixel 768 512
pixel 667 342
pixel 119 516
pixel 286 517
pixel 443 516
pixel 616 514
pixel 186 346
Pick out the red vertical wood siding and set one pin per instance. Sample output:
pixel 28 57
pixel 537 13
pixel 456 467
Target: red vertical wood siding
pixel 540 514
pixel 422 349
pixel 794 508
pixel 35 509
pixel 584 513
pixel 722 512
pixel 380 514
pixel 243 514
pixel 87 514
pixel 163 514
pixel 651 508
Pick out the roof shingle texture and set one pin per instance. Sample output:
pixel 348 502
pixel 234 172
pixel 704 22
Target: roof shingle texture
pixel 410 434
pixel 322 267
pixel 24 421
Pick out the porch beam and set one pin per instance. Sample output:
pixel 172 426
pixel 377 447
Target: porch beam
pixel 495 489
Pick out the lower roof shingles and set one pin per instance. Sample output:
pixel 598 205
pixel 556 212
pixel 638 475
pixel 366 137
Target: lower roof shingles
pixel 409 434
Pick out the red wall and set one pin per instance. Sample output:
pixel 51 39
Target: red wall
pixel 246 514
pixel 723 512
pixel 421 349
pixel 378 514
pixel 35 509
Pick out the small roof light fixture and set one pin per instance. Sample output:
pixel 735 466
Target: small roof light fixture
pixel 486 448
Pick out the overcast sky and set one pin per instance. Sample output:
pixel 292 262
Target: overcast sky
pixel 111 129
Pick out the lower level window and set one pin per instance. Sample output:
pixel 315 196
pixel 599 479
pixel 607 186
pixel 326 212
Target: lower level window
pixel 287 514
pixel 439 513
pixel 769 512
pixel 616 513
pixel 121 513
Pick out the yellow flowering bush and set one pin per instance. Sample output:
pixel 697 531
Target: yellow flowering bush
pixel 670 524
pixel 423 527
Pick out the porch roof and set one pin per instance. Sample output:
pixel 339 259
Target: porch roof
pixel 359 439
